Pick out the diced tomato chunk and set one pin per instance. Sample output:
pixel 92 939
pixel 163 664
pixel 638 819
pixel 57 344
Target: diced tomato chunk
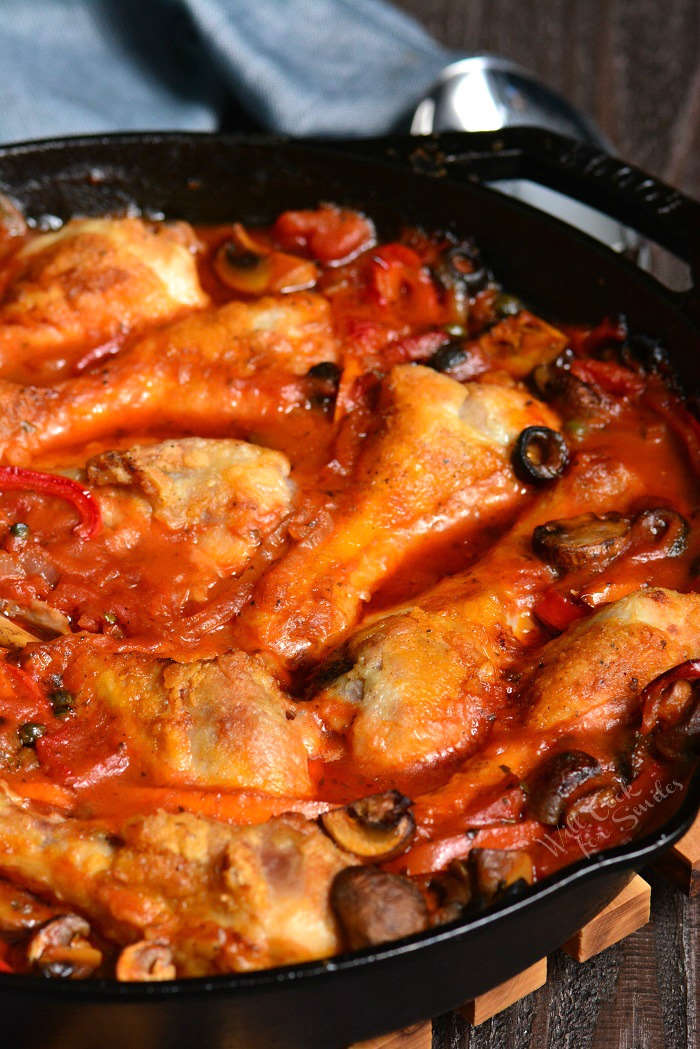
pixel 82 751
pixel 330 234
pixel 21 699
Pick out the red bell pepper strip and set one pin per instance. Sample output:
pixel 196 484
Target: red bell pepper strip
pixel 611 377
pixel 17 478
pixel 557 611
pixel 83 750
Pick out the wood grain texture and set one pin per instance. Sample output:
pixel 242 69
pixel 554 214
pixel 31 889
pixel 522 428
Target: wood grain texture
pixel 633 65
pixel 418 1037
pixel 641 993
pixel 682 862
pixel 505 994
pixel 627 913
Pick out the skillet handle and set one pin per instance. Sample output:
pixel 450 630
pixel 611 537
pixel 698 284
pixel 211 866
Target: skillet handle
pixel 649 206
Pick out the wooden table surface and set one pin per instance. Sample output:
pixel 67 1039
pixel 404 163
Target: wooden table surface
pixel 634 65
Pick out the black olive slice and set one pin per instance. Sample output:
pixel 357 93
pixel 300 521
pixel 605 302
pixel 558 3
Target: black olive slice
pixel 540 455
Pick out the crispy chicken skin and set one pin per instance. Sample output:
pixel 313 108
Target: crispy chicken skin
pixel 224 898
pixel 609 658
pixel 586 681
pixel 194 481
pixel 220 723
pixel 426 681
pixel 92 281
pixel 223 368
pixel 441 457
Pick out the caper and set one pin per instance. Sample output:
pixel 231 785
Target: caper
pixel 448 357
pixel 507 305
pixel 30 732
pixel 576 427
pixel 19 530
pixel 62 702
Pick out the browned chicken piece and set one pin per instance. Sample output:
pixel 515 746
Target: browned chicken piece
pixel 216 898
pixel 92 281
pixel 229 367
pixel 220 723
pixel 440 458
pixel 587 680
pixel 193 481
pixel 427 680
pixel 218 498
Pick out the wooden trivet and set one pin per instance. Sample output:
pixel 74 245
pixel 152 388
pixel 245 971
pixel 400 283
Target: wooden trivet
pixel 682 861
pixel 418 1037
pixel 627 913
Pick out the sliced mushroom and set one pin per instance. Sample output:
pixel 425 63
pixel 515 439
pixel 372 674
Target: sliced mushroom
pixel 373 906
pixel 256 272
pixel 373 828
pixel 657 533
pixel 540 455
pixel 592 807
pixel 61 949
pixel 556 783
pixel 680 741
pixel 494 870
pixel 669 696
pixel 20 911
pixel 586 541
pixel 146 961
pixel 48 621
pixel 671 711
pixel 453 891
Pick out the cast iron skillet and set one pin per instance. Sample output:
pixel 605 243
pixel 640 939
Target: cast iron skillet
pixel 566 275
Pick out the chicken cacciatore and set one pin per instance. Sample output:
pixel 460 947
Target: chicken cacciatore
pixel 341 595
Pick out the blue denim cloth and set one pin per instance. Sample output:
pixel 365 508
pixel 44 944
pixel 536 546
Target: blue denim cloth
pixel 326 67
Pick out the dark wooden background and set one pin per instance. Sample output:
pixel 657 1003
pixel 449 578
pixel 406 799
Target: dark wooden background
pixel 634 65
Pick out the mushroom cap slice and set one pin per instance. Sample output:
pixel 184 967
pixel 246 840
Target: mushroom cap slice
pixel 374 828
pixel 373 906
pixel 586 541
pixel 146 961
pixel 61 948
